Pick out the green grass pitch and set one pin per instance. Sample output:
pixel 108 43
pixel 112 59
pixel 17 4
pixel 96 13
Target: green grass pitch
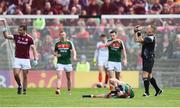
pixel 43 97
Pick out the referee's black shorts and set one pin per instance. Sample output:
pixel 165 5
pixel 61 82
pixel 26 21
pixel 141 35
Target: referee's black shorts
pixel 148 64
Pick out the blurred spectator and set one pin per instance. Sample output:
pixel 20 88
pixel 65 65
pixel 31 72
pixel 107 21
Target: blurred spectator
pixel 22 2
pixel 176 53
pixel 83 12
pixel 57 8
pixel 55 28
pixel 139 6
pixel 18 11
pixel 27 9
pixel 83 65
pixel 3 6
pixel 39 23
pixel 111 24
pixel 156 7
pixel 38 4
pixel 46 51
pixel 74 11
pixel 131 11
pixel 64 3
pixel 177 9
pixel 47 7
pixel 122 5
pixel 100 29
pixel 121 10
pixel 108 7
pixel 83 38
pixel 93 7
pixel 66 10
pixel 75 4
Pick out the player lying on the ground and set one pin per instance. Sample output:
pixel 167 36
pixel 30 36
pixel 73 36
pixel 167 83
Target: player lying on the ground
pixel 120 90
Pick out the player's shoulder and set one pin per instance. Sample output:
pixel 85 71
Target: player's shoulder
pixel 149 38
pixel 29 36
pixel 69 41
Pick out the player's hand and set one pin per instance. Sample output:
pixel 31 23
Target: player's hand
pixel 109 95
pixel 58 55
pixel 136 29
pixel 125 62
pixel 94 61
pixel 34 63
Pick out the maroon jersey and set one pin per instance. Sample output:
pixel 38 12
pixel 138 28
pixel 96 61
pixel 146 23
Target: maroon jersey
pixel 23 44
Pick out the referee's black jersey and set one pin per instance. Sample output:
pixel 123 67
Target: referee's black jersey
pixel 148 47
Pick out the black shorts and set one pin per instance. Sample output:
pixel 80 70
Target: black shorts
pixel 148 64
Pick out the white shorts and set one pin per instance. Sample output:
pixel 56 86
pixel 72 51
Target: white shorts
pixel 102 62
pixel 64 67
pixel 22 63
pixel 114 66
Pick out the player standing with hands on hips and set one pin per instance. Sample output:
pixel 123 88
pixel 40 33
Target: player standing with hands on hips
pixel 23 43
pixel 148 55
pixel 62 51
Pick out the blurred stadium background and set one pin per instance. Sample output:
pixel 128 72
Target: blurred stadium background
pixel 84 32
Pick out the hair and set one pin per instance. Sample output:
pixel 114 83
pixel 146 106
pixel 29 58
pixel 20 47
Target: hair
pixel 62 31
pixel 153 27
pixel 24 27
pixel 103 35
pixel 113 31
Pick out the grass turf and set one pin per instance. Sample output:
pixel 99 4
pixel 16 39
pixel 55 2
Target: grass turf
pixel 43 97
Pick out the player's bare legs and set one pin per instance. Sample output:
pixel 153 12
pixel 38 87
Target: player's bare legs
pixel 106 78
pixel 59 77
pixel 16 72
pixel 100 77
pixel 68 76
pixel 110 74
pixel 25 73
pixel 117 75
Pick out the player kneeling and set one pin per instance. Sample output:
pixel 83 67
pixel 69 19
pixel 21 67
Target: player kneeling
pixel 120 90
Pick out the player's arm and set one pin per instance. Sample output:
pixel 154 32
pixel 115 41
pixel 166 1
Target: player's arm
pixel 33 47
pixel 55 52
pixel 74 52
pixel 96 54
pixel 7 36
pixel 124 54
pixel 107 44
pixel 5 33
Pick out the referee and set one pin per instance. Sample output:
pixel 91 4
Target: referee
pixel 148 55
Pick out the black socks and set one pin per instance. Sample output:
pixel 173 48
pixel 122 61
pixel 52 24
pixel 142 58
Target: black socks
pixel 146 85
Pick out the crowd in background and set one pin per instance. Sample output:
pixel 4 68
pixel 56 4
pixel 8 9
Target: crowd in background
pixel 85 32
pixel 88 7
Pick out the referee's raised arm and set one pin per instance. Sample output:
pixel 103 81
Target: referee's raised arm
pixel 137 35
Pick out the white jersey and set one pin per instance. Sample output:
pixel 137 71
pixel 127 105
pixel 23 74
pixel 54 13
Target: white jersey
pixel 101 53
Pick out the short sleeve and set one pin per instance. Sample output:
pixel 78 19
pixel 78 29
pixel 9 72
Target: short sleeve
pixel 72 45
pixel 31 42
pixel 56 48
